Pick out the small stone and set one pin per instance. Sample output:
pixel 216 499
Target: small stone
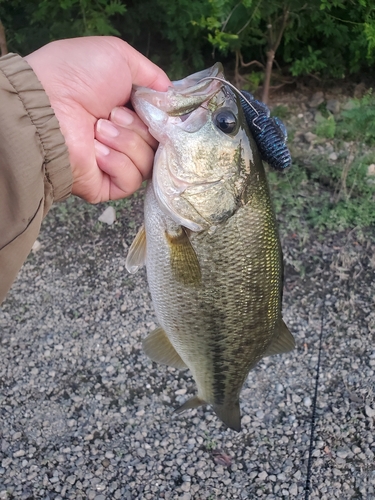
pixel 309 137
pixel 316 99
pixel 108 216
pixel 19 453
pixel 262 476
pixel 71 479
pixel 185 486
pixel 36 246
pixel 307 402
pixel 371 171
pixel 333 156
pixel 333 106
pixel 185 496
pixel 180 392
pixel 106 463
pixel 359 90
pixel 293 490
pixel 370 412
pixel 342 453
pixel 297 475
pixel 246 419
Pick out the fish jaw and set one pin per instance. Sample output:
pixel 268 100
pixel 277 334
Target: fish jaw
pixel 155 108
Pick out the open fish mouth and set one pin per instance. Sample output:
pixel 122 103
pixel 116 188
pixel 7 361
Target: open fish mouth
pixel 183 97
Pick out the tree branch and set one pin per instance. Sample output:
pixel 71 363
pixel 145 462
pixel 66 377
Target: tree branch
pixel 3 41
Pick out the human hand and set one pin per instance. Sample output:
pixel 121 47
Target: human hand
pixel 88 80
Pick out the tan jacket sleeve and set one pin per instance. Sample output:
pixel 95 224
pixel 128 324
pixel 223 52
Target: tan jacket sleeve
pixel 34 164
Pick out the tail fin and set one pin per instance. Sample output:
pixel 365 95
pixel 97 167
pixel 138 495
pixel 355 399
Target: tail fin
pixel 230 415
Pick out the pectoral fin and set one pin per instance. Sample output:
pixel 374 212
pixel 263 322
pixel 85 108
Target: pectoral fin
pixel 283 340
pixel 184 260
pixel 137 253
pixel 157 347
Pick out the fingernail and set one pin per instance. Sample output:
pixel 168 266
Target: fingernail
pixel 107 128
pixel 101 149
pixel 122 117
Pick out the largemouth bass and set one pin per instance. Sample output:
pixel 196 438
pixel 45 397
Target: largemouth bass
pixel 209 242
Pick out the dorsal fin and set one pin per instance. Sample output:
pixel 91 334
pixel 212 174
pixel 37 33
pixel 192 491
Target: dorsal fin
pixel 137 253
pixel 158 347
pixel 283 341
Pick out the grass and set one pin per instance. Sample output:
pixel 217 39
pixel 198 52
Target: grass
pixel 326 127
pixel 322 194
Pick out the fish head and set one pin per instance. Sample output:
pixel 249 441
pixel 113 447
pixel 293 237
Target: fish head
pixel 206 152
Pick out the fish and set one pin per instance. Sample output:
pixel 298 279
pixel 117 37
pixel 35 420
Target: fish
pixel 209 241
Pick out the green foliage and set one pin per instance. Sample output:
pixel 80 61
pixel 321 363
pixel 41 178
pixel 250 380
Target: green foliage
pixel 281 112
pixel 326 127
pixel 323 195
pixel 328 37
pixel 301 201
pixel 169 33
pixel 37 22
pixel 252 81
pixel 358 123
pixel 311 63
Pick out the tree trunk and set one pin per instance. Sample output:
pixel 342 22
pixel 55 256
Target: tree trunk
pixel 3 41
pixel 267 75
pixel 274 40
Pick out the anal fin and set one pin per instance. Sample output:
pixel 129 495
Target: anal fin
pixel 136 257
pixel 190 403
pixel 283 341
pixel 158 347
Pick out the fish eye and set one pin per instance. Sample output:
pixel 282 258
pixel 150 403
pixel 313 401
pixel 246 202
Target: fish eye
pixel 225 120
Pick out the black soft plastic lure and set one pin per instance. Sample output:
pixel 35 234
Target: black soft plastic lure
pixel 269 133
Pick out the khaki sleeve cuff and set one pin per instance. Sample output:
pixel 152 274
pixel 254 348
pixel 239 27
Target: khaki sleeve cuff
pixel 58 175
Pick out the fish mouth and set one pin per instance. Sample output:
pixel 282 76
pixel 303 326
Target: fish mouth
pixel 184 96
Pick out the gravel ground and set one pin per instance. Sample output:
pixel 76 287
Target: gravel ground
pixel 86 415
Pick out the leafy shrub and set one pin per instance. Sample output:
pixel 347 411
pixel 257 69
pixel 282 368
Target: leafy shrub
pixel 358 123
pixel 326 127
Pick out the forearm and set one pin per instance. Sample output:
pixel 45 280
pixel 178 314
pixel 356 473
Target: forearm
pixel 34 164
